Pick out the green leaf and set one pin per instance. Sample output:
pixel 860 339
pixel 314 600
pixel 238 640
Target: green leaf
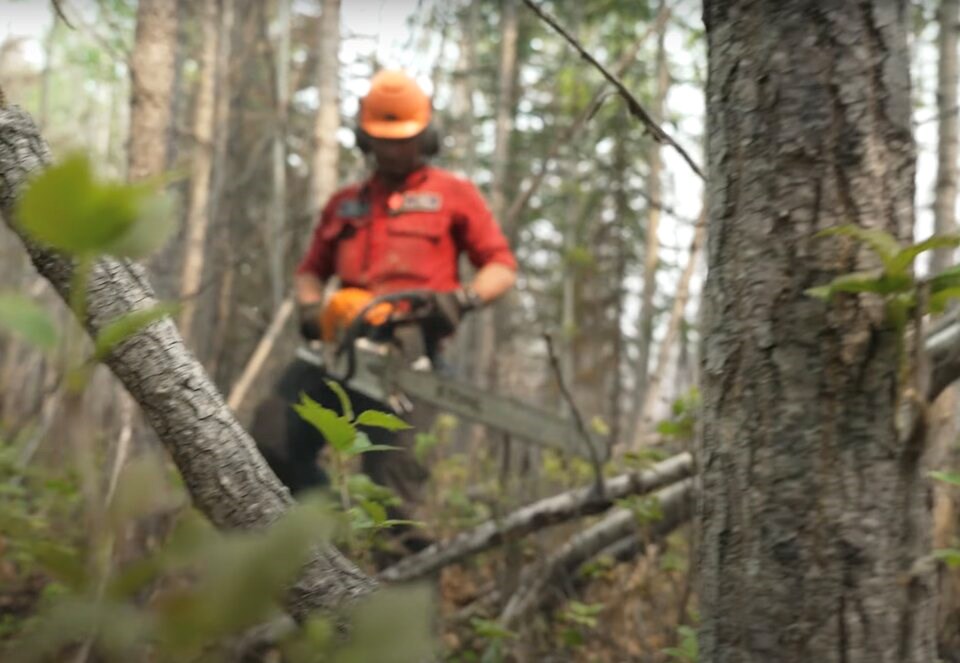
pixel 25 318
pixel 385 420
pixel 126 326
pixel 337 430
pixel 942 298
pixel 361 445
pixel 882 243
pixel 873 280
pixel 376 511
pixel 948 278
pixel 59 209
pixel 952 478
pixel 344 399
pixel 950 556
pixel 902 261
pixel 67 209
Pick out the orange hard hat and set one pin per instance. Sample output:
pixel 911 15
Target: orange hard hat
pixel 395 107
pixel 344 306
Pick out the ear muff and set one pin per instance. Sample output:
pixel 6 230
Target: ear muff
pixel 429 140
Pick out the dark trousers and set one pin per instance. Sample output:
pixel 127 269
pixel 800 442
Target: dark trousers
pixel 290 444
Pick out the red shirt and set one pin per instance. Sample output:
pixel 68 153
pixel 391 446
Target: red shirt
pixel 386 240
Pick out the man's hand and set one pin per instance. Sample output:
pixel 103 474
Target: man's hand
pixel 309 315
pixel 450 307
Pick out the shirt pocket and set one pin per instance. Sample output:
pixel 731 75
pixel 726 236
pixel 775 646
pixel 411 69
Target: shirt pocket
pixel 416 245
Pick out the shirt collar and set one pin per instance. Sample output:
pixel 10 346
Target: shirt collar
pixel 413 179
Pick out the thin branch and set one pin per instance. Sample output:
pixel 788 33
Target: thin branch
pixel 635 107
pixel 59 10
pixel 593 106
pixel 577 417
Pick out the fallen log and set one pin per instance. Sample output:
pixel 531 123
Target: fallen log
pixel 538 515
pixel 676 503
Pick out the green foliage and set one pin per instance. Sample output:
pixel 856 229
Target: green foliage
pixel 22 316
pixel 894 280
pixel 683 417
pixel 66 208
pixel 689 650
pixel 952 478
pixel 381 420
pixel 646 508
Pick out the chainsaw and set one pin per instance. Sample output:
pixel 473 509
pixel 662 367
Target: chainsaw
pixel 390 363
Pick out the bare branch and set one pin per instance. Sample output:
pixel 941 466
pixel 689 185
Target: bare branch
pixel 536 516
pixel 577 417
pixel 635 107
pixel 599 96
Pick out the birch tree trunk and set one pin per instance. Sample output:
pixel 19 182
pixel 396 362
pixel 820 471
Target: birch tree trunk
pixel 814 518
pixel 651 237
pixel 326 153
pixel 945 200
pixel 227 478
pixel 487 343
pixel 151 87
pixel 278 213
pixel 198 215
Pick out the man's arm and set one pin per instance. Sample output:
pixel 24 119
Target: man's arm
pixel 308 289
pixel 492 281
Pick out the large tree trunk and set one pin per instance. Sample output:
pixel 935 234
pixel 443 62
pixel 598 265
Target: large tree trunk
pixel 326 149
pixel 227 478
pixel 151 87
pixel 198 215
pixel 815 521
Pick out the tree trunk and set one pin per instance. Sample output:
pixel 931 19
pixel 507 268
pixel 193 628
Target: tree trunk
pixel 943 430
pixel 227 478
pixel 198 215
pixel 151 87
pixel 945 200
pixel 278 213
pixel 651 239
pixel 487 343
pixel 326 152
pixel 651 396
pixel 815 525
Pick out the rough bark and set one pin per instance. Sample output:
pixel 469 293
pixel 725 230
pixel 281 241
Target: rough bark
pixel 651 253
pixel 226 477
pixel 676 503
pixel 814 518
pixel 539 515
pixel 326 149
pixel 198 214
pixel 151 87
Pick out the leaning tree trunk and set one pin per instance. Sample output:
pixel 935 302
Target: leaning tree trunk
pixel 227 478
pixel 814 518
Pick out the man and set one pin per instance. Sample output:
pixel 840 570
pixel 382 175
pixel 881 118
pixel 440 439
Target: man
pixel 401 229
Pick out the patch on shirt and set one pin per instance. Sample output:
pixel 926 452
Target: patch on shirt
pixel 353 209
pixel 418 201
